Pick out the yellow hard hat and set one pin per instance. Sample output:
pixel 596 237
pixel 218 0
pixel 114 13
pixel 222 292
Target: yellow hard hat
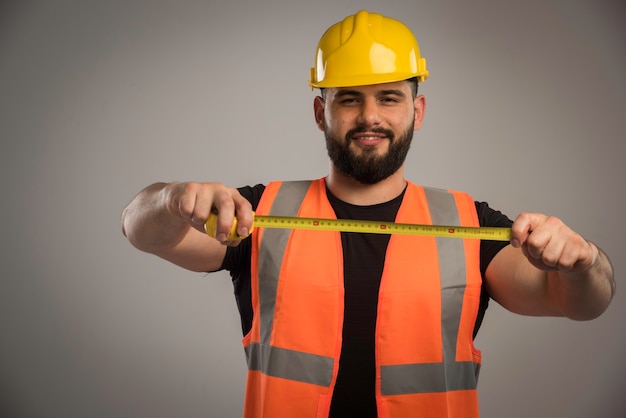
pixel 364 49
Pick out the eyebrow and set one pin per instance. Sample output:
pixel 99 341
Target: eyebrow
pixel 392 91
pixel 342 93
pixel 348 92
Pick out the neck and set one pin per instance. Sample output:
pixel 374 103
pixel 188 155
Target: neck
pixel 353 192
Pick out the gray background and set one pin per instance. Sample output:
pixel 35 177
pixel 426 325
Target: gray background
pixel 526 109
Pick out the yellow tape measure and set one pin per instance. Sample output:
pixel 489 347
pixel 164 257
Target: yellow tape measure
pixel 368 227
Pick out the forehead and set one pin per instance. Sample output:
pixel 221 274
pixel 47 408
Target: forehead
pixel 374 89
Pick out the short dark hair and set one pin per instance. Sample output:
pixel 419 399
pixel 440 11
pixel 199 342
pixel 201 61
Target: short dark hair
pixel 414 86
pixel 412 81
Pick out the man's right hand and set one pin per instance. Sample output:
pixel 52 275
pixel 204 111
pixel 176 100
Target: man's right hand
pixel 167 219
pixel 194 202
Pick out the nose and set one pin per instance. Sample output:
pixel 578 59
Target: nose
pixel 369 114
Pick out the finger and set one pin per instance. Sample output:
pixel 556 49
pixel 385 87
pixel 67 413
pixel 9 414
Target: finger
pixel 553 253
pixel 569 256
pixel 579 254
pixel 523 225
pixel 588 257
pixel 561 245
pixel 244 214
pixel 537 239
pixel 537 262
pixel 225 209
pixel 202 206
pixel 183 199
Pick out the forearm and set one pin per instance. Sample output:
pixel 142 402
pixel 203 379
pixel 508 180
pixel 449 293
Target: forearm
pixel 147 222
pixel 583 295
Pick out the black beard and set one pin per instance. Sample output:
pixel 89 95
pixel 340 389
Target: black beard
pixel 368 168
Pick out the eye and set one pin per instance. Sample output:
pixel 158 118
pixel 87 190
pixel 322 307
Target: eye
pixel 348 100
pixel 389 99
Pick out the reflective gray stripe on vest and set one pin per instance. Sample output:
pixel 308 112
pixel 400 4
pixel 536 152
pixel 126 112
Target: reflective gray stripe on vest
pixel 405 379
pixel 450 374
pixel 286 203
pixel 276 361
pixel 290 364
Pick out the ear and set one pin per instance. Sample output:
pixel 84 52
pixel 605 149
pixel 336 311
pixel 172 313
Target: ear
pixel 318 109
pixel 420 107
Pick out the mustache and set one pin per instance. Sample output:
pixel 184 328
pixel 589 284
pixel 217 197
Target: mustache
pixel 361 129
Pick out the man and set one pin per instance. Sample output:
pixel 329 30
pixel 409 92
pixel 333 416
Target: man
pixel 366 325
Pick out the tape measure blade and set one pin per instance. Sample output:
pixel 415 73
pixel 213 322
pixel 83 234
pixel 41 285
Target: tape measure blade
pixel 375 227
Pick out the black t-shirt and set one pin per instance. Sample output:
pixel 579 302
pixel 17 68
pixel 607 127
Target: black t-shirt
pixel 364 256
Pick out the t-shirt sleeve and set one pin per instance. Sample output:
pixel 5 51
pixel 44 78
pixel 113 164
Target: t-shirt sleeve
pixel 488 250
pixel 492 218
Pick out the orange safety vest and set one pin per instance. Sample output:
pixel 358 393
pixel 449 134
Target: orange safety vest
pixel 426 363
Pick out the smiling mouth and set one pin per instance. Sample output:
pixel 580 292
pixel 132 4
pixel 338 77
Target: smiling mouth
pixel 368 136
pixel 368 139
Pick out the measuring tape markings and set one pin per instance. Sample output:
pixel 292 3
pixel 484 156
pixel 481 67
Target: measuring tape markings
pixel 362 226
